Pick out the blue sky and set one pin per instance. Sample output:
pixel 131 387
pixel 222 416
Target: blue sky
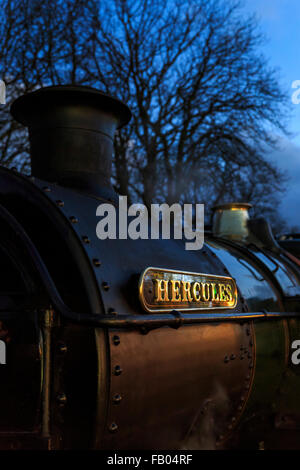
pixel 280 22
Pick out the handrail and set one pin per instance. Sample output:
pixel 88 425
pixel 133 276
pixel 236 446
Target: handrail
pixel 174 319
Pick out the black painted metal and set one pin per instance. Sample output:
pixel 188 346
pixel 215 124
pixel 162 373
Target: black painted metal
pixel 71 131
pixel 27 203
pixel 261 229
pixel 247 254
pixel 293 246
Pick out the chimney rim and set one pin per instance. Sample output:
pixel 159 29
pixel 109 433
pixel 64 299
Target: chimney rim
pixel 232 205
pixel 25 105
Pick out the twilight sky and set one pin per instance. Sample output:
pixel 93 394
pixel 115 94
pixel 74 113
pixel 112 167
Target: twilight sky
pixel 280 22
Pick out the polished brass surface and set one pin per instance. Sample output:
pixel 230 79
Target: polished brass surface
pixel 163 290
pixel 230 221
pixel 178 391
pixel 46 331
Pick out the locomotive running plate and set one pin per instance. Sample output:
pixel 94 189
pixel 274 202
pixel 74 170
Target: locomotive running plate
pixel 163 290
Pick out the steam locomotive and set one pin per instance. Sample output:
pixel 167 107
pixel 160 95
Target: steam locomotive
pixel 106 347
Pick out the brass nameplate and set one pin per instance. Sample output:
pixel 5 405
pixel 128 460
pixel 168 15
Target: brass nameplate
pixel 164 290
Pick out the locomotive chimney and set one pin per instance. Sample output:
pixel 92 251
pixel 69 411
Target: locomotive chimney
pixel 231 220
pixel 71 132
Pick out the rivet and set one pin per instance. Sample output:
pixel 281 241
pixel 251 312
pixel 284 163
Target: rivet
pixel 240 407
pixel 73 219
pixel 241 357
pixel 226 359
pixel 242 398
pixel 261 445
pixel 247 386
pixel 233 419
pixel 251 365
pixel 112 311
pixel 113 427
pixel 62 347
pixel 232 357
pixel 46 189
pixel 61 398
pixel 229 426
pixel 116 340
pixel 248 331
pixel 105 285
pixel 118 370
pixel 249 356
pixel 117 398
pixel 60 203
pixel 96 262
pixel 85 239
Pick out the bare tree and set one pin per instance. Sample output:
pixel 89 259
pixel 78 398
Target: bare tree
pixel 205 103
pixel 41 43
